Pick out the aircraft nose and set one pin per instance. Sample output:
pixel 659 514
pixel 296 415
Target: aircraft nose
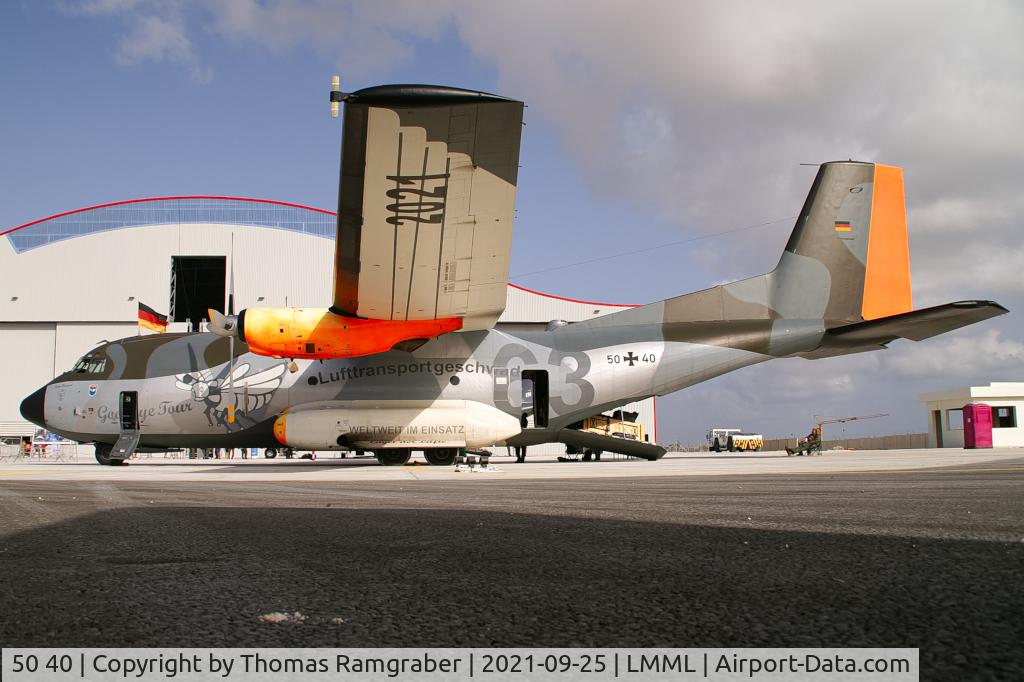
pixel 32 407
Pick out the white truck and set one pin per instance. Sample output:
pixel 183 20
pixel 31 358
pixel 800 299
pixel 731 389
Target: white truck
pixel 734 440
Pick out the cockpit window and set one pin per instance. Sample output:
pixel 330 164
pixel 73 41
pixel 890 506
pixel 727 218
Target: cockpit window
pixel 90 365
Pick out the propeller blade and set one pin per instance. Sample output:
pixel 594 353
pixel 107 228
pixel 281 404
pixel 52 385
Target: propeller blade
pixel 193 364
pixel 221 324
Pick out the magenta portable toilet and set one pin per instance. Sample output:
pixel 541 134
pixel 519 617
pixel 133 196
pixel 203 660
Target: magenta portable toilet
pixel 977 426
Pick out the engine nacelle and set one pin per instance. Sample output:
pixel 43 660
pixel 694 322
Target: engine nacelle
pixel 371 425
pixel 319 333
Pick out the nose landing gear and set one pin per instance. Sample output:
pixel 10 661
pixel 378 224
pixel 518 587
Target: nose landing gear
pixel 103 455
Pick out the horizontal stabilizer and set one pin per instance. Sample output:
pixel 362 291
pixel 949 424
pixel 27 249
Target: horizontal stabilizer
pixel 596 441
pixel 918 325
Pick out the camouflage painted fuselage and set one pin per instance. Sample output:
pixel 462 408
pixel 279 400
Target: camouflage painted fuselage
pixel 184 393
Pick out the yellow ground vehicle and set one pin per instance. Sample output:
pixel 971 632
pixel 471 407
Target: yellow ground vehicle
pixel 620 424
pixel 733 440
pixel 610 426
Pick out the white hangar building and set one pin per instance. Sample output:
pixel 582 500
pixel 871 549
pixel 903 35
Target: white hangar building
pixel 75 279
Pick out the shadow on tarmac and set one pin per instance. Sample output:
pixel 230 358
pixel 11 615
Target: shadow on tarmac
pixel 200 576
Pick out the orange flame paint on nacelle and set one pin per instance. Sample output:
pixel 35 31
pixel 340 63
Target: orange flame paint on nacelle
pixel 318 333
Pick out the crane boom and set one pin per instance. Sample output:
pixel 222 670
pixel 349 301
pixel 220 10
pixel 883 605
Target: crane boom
pixel 821 421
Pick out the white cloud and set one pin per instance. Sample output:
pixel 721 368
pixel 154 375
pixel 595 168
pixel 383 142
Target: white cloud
pixel 154 31
pixel 960 358
pixel 960 215
pixel 100 6
pixel 160 39
pixel 357 37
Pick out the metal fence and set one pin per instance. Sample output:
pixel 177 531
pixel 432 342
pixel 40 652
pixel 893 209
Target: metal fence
pixel 50 452
pixel 906 441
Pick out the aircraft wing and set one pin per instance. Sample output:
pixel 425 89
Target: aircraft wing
pixel 428 184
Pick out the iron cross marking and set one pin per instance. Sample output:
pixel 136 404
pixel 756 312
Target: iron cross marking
pixel 631 359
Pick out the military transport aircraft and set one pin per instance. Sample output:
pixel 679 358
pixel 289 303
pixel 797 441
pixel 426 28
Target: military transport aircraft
pixel 408 357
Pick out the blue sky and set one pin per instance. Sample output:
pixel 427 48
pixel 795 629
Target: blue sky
pixel 84 129
pixel 647 124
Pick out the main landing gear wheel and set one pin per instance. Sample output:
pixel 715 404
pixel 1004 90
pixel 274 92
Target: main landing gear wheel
pixel 103 455
pixel 442 457
pixel 270 453
pixel 393 457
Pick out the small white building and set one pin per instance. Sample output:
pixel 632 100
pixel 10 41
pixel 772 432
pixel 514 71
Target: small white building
pixel 945 413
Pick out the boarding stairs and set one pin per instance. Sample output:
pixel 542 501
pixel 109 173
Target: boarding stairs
pixel 125 445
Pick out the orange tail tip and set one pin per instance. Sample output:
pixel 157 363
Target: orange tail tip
pixel 887 276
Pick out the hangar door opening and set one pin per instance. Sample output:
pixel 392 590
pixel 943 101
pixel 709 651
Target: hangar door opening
pixel 197 283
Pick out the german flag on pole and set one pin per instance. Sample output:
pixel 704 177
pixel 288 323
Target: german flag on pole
pixel 151 319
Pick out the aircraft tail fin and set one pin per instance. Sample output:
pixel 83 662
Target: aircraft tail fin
pixel 841 286
pixel 848 258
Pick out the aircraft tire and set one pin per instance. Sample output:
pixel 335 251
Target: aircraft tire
pixel 270 453
pixel 729 444
pixel 442 457
pixel 717 447
pixel 393 457
pixel 103 455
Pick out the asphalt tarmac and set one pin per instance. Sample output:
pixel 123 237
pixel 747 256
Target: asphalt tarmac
pixel 928 558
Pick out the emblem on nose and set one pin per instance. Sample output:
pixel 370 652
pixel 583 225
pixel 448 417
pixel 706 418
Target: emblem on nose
pixel 32 407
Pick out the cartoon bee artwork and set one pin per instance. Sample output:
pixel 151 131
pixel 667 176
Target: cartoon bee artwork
pixel 247 393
